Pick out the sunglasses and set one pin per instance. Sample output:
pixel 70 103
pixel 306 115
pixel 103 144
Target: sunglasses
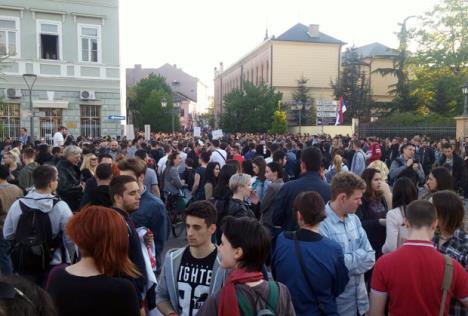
pixel 8 291
pixel 93 159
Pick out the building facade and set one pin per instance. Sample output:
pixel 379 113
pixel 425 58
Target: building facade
pixel 188 92
pixel 301 51
pixel 73 48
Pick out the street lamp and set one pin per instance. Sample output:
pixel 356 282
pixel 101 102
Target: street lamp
pixel 465 93
pixel 30 80
pixel 175 106
pixel 299 106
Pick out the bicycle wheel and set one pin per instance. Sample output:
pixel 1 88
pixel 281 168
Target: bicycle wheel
pixel 177 225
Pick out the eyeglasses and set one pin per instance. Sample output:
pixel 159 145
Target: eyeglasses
pixel 8 291
pixel 93 159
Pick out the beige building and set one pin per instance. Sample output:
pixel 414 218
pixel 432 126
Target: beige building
pixel 377 56
pixel 280 62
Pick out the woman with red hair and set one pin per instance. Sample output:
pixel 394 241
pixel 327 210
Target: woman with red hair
pixel 90 286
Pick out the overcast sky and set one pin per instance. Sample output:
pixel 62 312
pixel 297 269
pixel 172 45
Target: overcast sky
pixel 198 34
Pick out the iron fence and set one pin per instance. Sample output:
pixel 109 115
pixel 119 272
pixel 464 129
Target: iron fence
pixel 434 132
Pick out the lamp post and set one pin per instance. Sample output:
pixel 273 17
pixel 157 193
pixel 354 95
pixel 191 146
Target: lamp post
pixel 175 106
pixel 465 93
pixel 299 106
pixel 30 80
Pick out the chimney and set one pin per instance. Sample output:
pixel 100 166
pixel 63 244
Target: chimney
pixel 221 67
pixel 138 67
pixel 313 30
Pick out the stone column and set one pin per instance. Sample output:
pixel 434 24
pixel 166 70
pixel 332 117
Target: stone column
pixel 462 127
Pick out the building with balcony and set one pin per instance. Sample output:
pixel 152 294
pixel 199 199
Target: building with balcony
pixel 281 61
pixel 188 92
pixel 73 48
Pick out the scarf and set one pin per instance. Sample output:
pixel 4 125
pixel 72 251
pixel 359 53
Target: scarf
pixel 228 303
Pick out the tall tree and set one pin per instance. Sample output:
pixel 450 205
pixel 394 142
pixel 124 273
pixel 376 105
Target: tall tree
pixel 443 38
pixel 353 86
pixel 250 109
pixel 403 100
pixel 301 96
pixel 145 104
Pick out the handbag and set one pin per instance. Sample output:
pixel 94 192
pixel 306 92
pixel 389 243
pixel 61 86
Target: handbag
pixel 320 305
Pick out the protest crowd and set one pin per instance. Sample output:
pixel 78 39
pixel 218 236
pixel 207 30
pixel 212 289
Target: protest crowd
pixel 273 225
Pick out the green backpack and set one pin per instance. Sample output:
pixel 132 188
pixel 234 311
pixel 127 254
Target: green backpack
pixel 248 310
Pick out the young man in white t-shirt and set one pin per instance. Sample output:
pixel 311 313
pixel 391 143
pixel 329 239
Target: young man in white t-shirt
pixel 58 137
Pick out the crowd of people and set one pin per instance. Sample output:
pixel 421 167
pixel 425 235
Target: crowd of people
pixel 275 225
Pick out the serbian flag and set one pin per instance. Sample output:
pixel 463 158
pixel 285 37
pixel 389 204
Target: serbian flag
pixel 340 112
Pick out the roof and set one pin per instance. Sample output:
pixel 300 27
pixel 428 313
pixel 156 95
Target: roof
pixel 299 33
pixel 376 50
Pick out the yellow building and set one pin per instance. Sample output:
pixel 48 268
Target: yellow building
pixel 377 56
pixel 280 62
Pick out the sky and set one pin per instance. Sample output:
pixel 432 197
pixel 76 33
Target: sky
pixel 198 34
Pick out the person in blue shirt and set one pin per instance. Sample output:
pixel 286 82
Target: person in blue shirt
pixel 310 180
pixel 323 261
pixel 343 226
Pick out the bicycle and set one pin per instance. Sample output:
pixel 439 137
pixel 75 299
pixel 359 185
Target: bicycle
pixel 175 206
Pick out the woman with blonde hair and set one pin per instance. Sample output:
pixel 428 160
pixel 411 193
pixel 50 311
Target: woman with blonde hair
pixel 382 167
pixel 336 167
pixel 94 285
pixel 88 166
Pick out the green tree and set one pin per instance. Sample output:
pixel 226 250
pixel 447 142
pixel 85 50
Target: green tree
pixel 403 100
pixel 250 109
pixel 280 123
pixel 145 104
pixel 353 86
pixel 443 37
pixel 301 95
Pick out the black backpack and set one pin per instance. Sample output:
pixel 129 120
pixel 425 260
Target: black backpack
pixel 33 246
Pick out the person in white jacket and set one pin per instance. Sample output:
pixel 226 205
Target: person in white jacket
pixel 45 179
pixel 404 192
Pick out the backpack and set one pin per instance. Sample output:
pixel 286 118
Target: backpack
pixel 33 246
pixel 272 302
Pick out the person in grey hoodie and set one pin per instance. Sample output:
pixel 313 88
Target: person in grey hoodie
pixel 45 180
pixel 358 163
pixel 192 273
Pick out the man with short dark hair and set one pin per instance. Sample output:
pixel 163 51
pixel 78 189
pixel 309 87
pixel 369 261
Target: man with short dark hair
pixel 343 226
pixel 406 160
pixel 192 273
pixel 125 195
pixel 217 154
pixel 25 178
pixel 455 165
pixel 152 211
pixel 24 138
pixel 310 180
pixel 42 199
pixel 100 194
pixel 411 278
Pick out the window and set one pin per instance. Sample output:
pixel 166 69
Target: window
pixel 182 112
pixel 89 43
pixel 49 124
pixel 9 120
pixel 49 39
pixel 90 120
pixel 8 37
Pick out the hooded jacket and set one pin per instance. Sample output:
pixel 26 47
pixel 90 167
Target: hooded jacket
pixel 59 215
pixel 167 290
pixel 25 178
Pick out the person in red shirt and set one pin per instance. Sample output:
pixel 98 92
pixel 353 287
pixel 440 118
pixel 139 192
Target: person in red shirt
pixel 410 278
pixel 235 153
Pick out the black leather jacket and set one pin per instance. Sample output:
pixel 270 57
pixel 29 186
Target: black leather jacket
pixel 69 188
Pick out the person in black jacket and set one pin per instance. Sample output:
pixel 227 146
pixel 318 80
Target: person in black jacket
pixel 427 156
pixel 125 195
pixel 455 164
pixel 69 188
